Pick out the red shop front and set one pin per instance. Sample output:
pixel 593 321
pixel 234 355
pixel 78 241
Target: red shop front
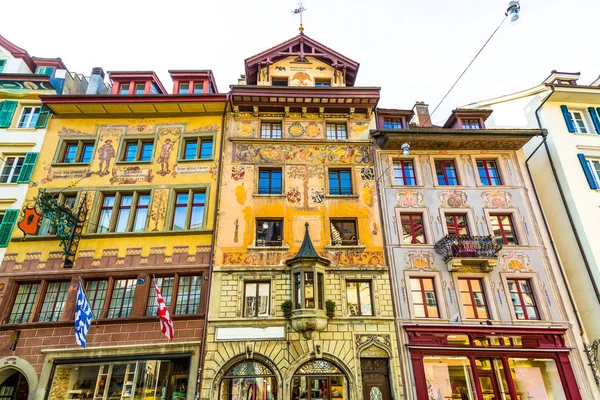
pixel 488 362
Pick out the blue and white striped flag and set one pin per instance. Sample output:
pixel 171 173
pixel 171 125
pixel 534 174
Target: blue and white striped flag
pixel 83 317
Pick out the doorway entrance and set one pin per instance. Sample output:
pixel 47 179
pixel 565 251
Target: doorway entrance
pixel 14 387
pixel 375 378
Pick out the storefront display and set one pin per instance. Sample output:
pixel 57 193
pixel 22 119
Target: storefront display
pixel 319 380
pixel 249 380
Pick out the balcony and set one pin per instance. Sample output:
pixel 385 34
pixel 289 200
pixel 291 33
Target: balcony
pixel 462 252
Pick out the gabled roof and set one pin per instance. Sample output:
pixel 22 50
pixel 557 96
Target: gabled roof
pixel 301 46
pixel 17 52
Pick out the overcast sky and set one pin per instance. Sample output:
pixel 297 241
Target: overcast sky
pixel 412 49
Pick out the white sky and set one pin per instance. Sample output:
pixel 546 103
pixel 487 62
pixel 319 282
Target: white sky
pixel 414 49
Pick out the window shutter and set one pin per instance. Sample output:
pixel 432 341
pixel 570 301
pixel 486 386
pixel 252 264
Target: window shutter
pixel 42 121
pixel 595 119
pixel 7 226
pixel 27 168
pixel 6 112
pixel 586 170
pixel 568 120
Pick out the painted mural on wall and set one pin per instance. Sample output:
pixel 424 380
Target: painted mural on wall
pixel 418 259
pixel 408 198
pixel 338 257
pixel 319 154
pixel 453 199
pixel 496 199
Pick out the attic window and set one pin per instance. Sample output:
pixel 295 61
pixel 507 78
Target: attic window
pixel 45 71
pixel 322 82
pixel 471 123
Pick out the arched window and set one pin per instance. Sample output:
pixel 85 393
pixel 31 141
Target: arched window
pixel 319 379
pixel 249 380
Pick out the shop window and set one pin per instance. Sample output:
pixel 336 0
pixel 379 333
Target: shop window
pixel 413 230
pixel 270 130
pixel 54 301
pixel 188 211
pixel 123 212
pixel 445 171
pixel 306 295
pixel 121 300
pixel 68 200
pixel 188 295
pixel 256 299
pixel 96 292
pixel 29 117
pixel 359 297
pixel 392 123
pixel 522 298
pixel 336 131
pixel 249 380
pixel 450 378
pixel 340 182
pixel 269 232
pixel 404 173
pixel 137 150
pixel 424 299
pixel 457 225
pixel 503 229
pixel 270 181
pixel 197 149
pixel 473 298
pixel 535 377
pixel 488 173
pixel 319 379
pixel 343 233
pixel 24 302
pixel 76 151
pixel 11 169
pixel 470 124
pixel 165 284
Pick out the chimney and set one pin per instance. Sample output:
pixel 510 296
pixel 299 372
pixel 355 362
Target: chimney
pixel 96 84
pixel 242 80
pixel 421 116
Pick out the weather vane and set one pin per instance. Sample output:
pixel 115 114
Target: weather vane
pixel 300 10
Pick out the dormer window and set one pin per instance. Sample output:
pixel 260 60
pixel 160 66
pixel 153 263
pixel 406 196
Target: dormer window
pixel 124 88
pixel 198 88
pixel 392 123
pixel 184 88
pixel 45 71
pixel 140 88
pixel 471 123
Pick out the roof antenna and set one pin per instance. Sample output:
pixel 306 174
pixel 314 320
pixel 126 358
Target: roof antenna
pixel 300 10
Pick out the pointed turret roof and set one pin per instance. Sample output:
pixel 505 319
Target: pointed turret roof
pixel 307 251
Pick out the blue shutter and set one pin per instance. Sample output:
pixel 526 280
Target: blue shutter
pixel 568 120
pixel 7 109
pixel 595 119
pixel 27 168
pixel 587 171
pixel 7 226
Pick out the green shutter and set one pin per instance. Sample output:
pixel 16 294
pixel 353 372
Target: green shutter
pixel 42 121
pixel 27 168
pixel 6 112
pixel 7 226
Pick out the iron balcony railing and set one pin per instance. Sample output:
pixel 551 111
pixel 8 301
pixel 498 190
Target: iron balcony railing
pixel 467 247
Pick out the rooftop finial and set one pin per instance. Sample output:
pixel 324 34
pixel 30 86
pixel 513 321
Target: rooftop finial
pixel 300 10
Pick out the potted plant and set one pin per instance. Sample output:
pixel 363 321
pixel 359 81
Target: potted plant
pixel 330 307
pixel 286 307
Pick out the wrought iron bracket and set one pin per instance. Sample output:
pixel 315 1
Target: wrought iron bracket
pixel 591 350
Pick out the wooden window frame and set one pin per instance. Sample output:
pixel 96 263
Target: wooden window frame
pixel 53 302
pixel 487 169
pixel 402 166
pixel 14 173
pixel 30 119
pixel 199 138
pixel 34 303
pixel 501 226
pixel 355 242
pixel 340 189
pixel 140 142
pixel 280 79
pixel 176 293
pixel 268 129
pixel 471 123
pixel 256 296
pixel 424 297
pixel 151 304
pixel 337 133
pixel 190 204
pixel 62 197
pixel 456 225
pixel 299 287
pixel 473 304
pixel 268 243
pixel 98 313
pixel 412 230
pixel 443 163
pixel 269 192
pixel 116 207
pixel 583 120
pixel 520 293
pixel 360 314
pixel 122 300
pixel 393 122
pixel 322 82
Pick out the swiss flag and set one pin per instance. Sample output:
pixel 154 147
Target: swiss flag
pixel 166 323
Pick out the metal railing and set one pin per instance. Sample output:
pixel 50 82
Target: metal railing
pixel 467 247
pixel 268 243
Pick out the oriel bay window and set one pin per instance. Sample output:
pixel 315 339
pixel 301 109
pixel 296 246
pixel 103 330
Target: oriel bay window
pixel 123 212
pixel 269 232
pixel 360 298
pixel 137 150
pixel 188 211
pixel 307 292
pixel 256 299
pixel 121 300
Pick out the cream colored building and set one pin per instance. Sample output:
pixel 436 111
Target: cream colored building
pixel 565 167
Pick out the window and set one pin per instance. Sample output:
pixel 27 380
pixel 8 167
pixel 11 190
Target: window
pixel 360 299
pixel 45 71
pixel 270 130
pixel 424 299
pixel 470 123
pixel 473 298
pixel 131 210
pixel 413 230
pixel 594 166
pixel 279 82
pixel 124 88
pixel 140 88
pixel 184 88
pixel 340 182
pixel 579 121
pixel 343 233
pixel 392 123
pixel 2 65
pixel 121 300
pixel 67 200
pixel 320 379
pixel 138 150
pixel 445 171
pixel 198 149
pixel 523 300
pixel 29 117
pixel 189 210
pixel 95 291
pixel 54 301
pixel 503 229
pixel 336 131
pixel 77 152
pixel 322 82
pixel 198 88
pixel 457 225
pixel 23 305
pixel 404 173
pixel 11 169
pixel 269 181
pixel 269 232
pixel 256 299
pixel 488 173
pixel 165 285
pixel 188 295
pixel 305 295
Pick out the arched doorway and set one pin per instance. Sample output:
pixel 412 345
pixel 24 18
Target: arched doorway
pixel 319 379
pixel 14 387
pixel 249 380
pixel 375 373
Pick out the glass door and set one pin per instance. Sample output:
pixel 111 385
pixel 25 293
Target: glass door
pixel 492 379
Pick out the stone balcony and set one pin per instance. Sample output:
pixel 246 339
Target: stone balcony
pixel 461 252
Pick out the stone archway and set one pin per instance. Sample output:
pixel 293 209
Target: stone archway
pixel 327 373
pixel 11 365
pixel 375 372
